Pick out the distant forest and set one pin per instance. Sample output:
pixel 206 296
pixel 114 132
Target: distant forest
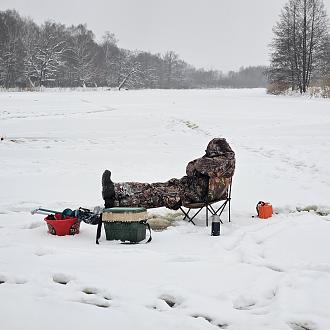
pixel 54 55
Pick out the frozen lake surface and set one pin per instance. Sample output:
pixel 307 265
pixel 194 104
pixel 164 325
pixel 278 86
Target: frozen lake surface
pixel 259 274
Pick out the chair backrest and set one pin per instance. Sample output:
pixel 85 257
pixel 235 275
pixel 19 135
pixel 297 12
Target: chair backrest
pixel 218 189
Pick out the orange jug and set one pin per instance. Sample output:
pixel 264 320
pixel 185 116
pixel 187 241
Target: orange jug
pixel 264 210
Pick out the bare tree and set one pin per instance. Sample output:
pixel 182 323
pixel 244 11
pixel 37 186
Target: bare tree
pixel 173 70
pixel 83 55
pixel 111 54
pixel 299 46
pixel 11 49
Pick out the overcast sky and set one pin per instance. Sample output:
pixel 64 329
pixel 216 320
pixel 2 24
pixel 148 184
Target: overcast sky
pixel 217 34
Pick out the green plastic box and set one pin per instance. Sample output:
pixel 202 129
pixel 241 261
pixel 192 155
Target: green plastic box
pixel 131 231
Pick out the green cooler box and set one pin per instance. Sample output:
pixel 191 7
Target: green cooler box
pixel 125 223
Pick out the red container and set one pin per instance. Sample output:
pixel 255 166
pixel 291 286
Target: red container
pixel 62 227
pixel 265 210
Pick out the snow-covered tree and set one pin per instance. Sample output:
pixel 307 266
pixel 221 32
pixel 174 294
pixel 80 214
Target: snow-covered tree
pixel 82 54
pixel 44 48
pixel 149 73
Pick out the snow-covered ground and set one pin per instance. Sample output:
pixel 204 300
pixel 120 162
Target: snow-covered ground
pixel 259 274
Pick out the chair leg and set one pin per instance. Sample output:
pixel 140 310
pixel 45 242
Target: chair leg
pixel 211 209
pixel 229 202
pixel 213 212
pixel 207 216
pixel 194 216
pixel 186 215
pixel 221 208
pixel 229 207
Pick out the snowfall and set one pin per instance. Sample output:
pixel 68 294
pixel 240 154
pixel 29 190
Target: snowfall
pixel 258 274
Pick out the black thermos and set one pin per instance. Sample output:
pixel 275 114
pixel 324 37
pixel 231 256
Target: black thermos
pixel 215 225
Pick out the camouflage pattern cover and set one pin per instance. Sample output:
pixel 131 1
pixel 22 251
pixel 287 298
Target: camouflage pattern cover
pixel 207 180
pixel 218 164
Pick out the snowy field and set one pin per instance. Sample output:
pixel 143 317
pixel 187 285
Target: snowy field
pixel 259 274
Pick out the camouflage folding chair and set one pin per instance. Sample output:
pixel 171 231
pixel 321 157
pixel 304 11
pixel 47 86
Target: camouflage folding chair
pixel 209 208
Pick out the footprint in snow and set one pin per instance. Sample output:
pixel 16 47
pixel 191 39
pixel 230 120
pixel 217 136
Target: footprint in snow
pixel 274 268
pixel 221 325
pixel 173 302
pixel 96 301
pixel 90 290
pixel 20 280
pixel 12 280
pixel 302 325
pixel 61 278
pixel 244 303
pixel 15 280
pixel 164 302
pixel 94 296
pixel 94 291
pixel 257 306
pixel 3 279
pixel 170 300
pixel 167 300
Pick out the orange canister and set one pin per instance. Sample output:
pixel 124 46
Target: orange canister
pixel 264 210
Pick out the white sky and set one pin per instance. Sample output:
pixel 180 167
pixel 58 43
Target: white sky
pixel 218 34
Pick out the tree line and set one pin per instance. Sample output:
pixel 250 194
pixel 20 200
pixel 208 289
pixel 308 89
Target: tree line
pixel 54 55
pixel 300 50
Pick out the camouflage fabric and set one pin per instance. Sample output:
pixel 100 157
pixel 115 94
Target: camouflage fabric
pixel 171 194
pixel 218 164
pixel 207 179
pixel 146 195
